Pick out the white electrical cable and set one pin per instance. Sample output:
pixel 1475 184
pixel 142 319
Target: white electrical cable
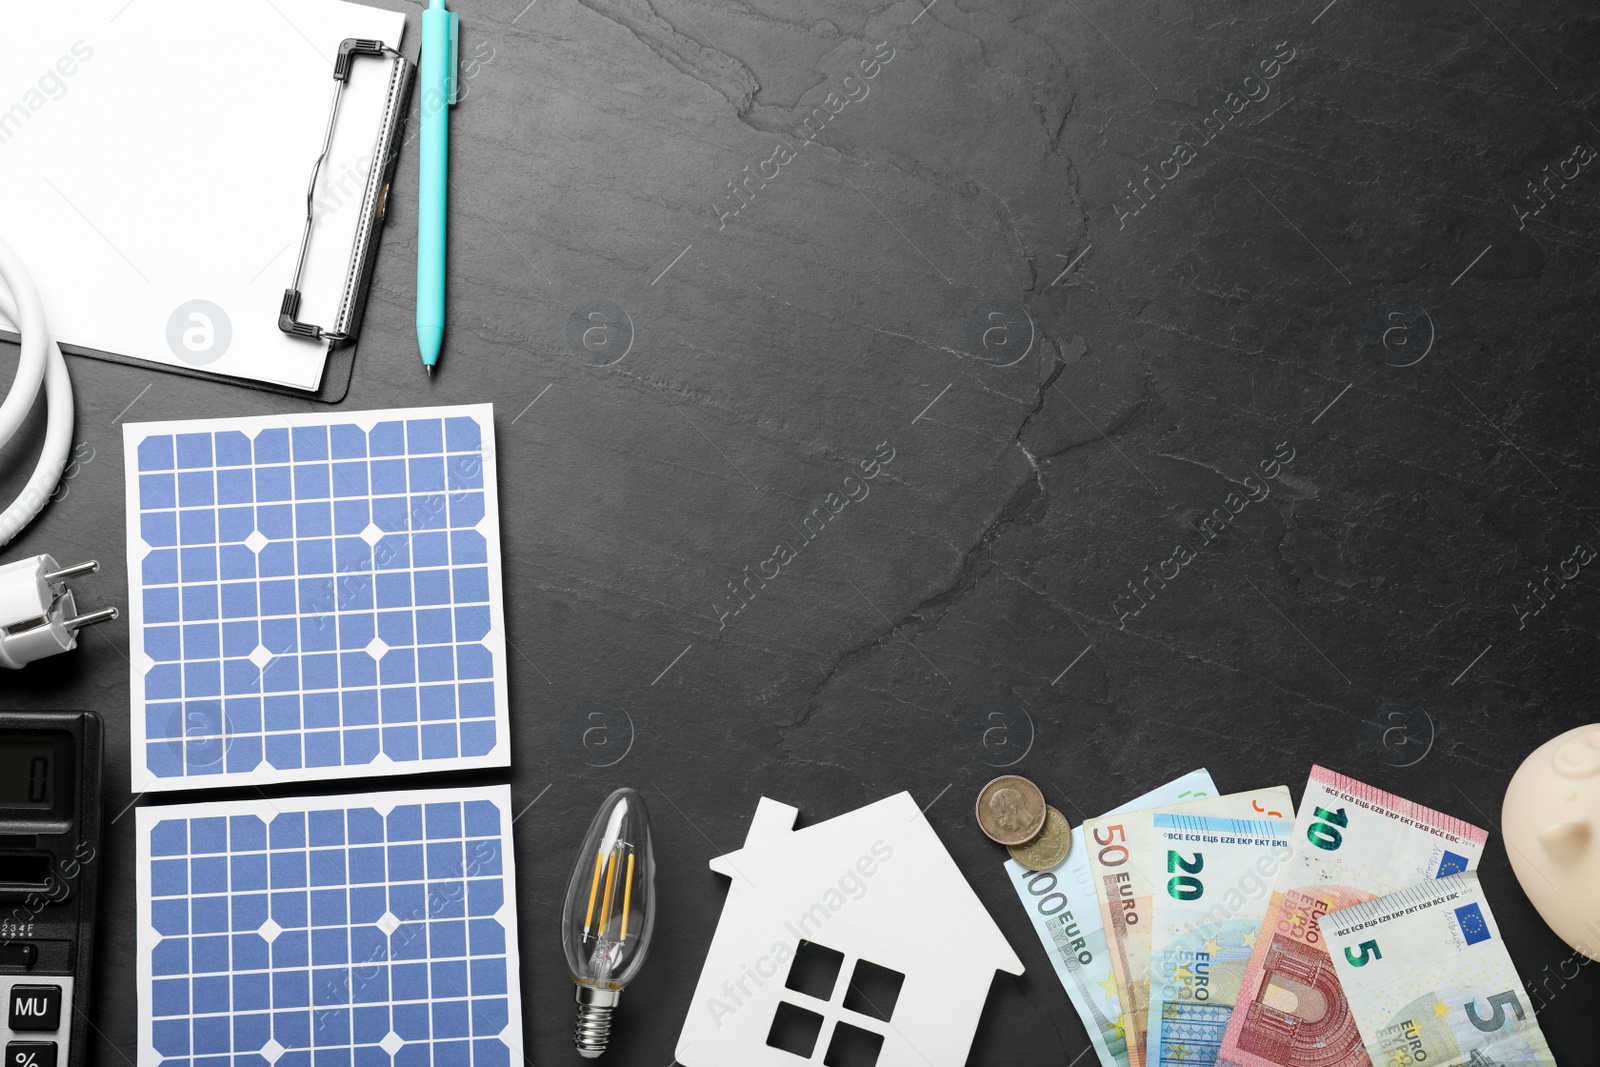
pixel 41 362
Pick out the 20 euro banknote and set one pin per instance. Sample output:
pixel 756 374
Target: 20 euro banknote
pixel 1061 904
pixel 1204 924
pixel 1124 862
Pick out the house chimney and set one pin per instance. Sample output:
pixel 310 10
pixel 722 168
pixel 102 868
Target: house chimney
pixel 771 821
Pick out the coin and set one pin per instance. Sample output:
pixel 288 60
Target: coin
pixel 1046 851
pixel 1011 810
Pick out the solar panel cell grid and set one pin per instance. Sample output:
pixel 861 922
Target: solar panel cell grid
pixel 313 593
pixel 347 931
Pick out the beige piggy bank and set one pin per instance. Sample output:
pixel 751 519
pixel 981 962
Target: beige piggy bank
pixel 1551 821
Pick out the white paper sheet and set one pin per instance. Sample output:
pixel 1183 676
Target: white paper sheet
pixel 154 158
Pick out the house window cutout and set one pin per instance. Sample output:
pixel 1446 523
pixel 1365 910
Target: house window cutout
pixel 815 970
pixel 795 1030
pixel 853 1047
pixel 873 990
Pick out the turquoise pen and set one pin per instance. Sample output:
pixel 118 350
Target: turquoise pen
pixel 441 35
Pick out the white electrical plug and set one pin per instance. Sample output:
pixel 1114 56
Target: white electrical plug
pixel 38 615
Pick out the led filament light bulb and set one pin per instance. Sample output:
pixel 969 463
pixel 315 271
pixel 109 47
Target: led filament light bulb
pixel 609 914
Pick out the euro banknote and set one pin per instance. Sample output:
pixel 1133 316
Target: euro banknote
pixel 1061 904
pixel 1122 859
pixel 1429 980
pixel 1204 923
pixel 1352 842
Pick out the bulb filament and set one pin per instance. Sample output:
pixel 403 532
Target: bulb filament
pixel 588 919
pixel 608 862
pixel 611 881
pixel 627 897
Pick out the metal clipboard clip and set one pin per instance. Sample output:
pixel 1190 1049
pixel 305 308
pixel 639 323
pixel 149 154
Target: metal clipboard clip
pixel 387 149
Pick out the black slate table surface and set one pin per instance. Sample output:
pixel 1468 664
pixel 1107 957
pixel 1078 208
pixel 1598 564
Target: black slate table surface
pixel 991 261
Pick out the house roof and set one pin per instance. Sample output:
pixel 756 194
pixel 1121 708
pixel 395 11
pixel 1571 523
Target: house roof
pixel 783 864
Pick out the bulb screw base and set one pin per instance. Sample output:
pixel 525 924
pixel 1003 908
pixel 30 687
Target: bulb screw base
pixel 593 1031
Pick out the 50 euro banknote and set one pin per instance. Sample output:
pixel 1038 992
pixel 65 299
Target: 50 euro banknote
pixel 1352 842
pixel 1065 913
pixel 1127 865
pixel 1204 922
pixel 1429 980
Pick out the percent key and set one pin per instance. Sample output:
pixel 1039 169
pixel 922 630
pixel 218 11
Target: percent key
pixel 31 1054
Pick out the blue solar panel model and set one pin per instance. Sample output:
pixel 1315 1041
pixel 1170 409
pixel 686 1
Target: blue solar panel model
pixel 376 930
pixel 314 596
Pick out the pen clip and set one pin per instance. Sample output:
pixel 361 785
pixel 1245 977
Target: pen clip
pixel 453 79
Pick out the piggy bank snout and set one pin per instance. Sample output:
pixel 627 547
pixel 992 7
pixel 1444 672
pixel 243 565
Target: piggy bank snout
pixel 1565 841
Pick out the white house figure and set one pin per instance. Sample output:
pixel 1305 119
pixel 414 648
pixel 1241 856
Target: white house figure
pixel 852 943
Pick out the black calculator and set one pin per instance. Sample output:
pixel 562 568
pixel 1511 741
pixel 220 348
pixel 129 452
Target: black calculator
pixel 49 868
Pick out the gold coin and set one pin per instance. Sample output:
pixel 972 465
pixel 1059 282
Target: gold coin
pixel 1046 851
pixel 1011 810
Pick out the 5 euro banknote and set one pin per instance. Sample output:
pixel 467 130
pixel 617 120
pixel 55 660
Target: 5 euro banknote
pixel 1430 982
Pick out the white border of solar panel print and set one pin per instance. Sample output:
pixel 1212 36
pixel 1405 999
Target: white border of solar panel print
pixel 144 780
pixel 148 816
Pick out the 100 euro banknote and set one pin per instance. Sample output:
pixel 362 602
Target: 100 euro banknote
pixel 1430 982
pixel 1352 842
pixel 1204 922
pixel 1123 859
pixel 1061 904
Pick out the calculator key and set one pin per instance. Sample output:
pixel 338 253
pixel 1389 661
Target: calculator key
pixel 22 954
pixel 31 1054
pixel 35 1007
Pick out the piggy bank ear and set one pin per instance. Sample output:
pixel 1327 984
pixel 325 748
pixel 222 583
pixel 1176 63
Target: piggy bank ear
pixel 1579 757
pixel 1565 841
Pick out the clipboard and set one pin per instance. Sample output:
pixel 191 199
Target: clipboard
pixel 337 222
pixel 340 337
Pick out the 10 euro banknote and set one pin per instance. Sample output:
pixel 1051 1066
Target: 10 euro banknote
pixel 1352 842
pixel 1430 982
pixel 1065 913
